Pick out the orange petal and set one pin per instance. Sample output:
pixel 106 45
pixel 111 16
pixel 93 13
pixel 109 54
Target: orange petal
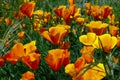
pixel 27 9
pixel 2 62
pixel 79 64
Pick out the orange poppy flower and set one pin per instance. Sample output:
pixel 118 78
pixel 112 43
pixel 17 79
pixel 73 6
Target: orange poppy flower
pixel 2 61
pixel 27 9
pixel 73 69
pixel 70 69
pixel 98 12
pixel 97 27
pixel 79 64
pixel 28 76
pixel 80 21
pixel 58 11
pixel 21 35
pixel 32 60
pixel 15 54
pixel 56 58
pixel 106 41
pixel 88 39
pixel 30 47
pixel 67 14
pixel 114 30
pixel 88 53
pixel 55 34
pixel 93 73
pixel 105 11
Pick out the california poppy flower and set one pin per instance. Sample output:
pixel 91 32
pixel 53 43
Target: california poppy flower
pixel 32 60
pixel 58 11
pixel 105 42
pixel 98 12
pixel 88 53
pixel 113 30
pixel 21 35
pixel 30 47
pixel 28 76
pixel 88 39
pixel 27 9
pixel 55 34
pixel 93 73
pixel 56 58
pixel 15 54
pixel 97 27
pixel 73 69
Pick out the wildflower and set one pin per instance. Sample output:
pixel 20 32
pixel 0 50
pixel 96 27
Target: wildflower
pixel 73 69
pixel 58 11
pixel 15 54
pixel 28 76
pixel 88 39
pixel 94 73
pixel 80 21
pixel 56 58
pixel 99 13
pixel 27 9
pixel 97 27
pixel 114 30
pixel 88 53
pixel 105 42
pixel 55 34
pixel 70 69
pixel 32 60
pixel 30 47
